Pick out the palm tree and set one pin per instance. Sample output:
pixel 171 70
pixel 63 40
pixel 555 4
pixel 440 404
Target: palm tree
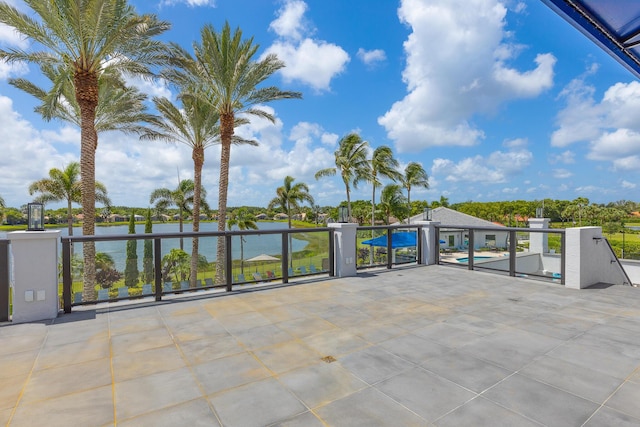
pixel 196 126
pixel 182 198
pixel 289 197
pixel 225 72
pixel 84 39
pixel 414 176
pixel 382 164
pixel 244 221
pixel 392 202
pixel 351 162
pixel 64 185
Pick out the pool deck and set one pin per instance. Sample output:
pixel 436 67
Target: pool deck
pixel 416 346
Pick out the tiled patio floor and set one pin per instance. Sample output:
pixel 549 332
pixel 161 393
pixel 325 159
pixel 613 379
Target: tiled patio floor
pixel 423 346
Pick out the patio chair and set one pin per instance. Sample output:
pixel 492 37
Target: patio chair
pixel 184 285
pixel 167 287
pixel 312 269
pixel 303 269
pixel 77 297
pixel 291 273
pixel 257 277
pixel 270 275
pixel 208 281
pixel 198 283
pixel 123 292
pixel 147 289
pixel 103 294
pixel 241 278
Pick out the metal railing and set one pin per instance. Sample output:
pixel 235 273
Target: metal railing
pixel 388 247
pixel 158 290
pixel 510 249
pixel 4 280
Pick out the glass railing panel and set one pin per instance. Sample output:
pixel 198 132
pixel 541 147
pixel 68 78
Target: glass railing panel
pixel 371 248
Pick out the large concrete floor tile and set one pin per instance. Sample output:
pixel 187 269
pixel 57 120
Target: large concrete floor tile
pixel 306 419
pixel 196 413
pixel 306 326
pixel 377 332
pixel 88 408
pixel 626 399
pixel 194 331
pixel 257 404
pixel 65 333
pixel 335 342
pixel 413 348
pixel 374 364
pixel 227 372
pixel 10 390
pixel 14 364
pixel 128 325
pixel 445 334
pixel 54 382
pixel 426 394
pixel 598 359
pixel 607 417
pixel 286 356
pixel 210 348
pixel 483 413
pixel 140 341
pixel 468 371
pixel 322 383
pixel 540 402
pixel 368 408
pixel 262 336
pixel 576 379
pixel 146 394
pixel 243 321
pixel 141 363
pixel 52 356
pixel 20 343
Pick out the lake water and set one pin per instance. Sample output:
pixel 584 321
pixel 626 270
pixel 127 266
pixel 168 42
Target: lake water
pixel 270 244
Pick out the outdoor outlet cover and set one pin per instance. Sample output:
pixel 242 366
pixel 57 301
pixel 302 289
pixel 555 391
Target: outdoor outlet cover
pixel 28 296
pixel 40 295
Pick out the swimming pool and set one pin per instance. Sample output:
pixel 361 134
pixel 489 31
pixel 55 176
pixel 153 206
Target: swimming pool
pixel 475 258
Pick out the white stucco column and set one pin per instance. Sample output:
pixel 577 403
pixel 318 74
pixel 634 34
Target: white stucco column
pixel 35 275
pixel 539 242
pixel 345 248
pixel 428 240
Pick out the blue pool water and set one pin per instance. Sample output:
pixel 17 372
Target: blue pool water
pixel 475 258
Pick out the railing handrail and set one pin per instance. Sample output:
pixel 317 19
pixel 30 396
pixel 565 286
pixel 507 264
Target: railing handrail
pixel 178 235
pixel 617 260
pixel 499 228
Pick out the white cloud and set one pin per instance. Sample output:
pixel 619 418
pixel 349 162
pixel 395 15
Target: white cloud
pixel 496 168
pixel 457 67
pixel 567 157
pixel 190 3
pixel 9 36
pixel 289 23
pixel 155 87
pixel 628 185
pixel 12 70
pixel 309 61
pixel 562 174
pixel 371 57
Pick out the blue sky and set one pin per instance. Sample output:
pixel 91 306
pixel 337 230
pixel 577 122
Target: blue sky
pixel 498 100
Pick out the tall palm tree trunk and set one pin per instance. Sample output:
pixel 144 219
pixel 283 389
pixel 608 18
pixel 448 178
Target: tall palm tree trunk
pixel 373 222
pixel 226 132
pixel 198 161
pixel 70 222
pixel 87 97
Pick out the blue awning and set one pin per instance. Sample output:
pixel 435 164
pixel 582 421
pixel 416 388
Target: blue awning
pixel 398 240
pixel 613 25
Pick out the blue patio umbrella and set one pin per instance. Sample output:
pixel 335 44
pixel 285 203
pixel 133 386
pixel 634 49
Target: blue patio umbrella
pixel 398 240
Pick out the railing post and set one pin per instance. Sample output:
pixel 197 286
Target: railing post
pixel 512 253
pixel 471 248
pixel 285 258
pixel 389 249
pixel 332 249
pixel 157 266
pixel 228 274
pixel 563 258
pixel 4 280
pixel 344 256
pixel 67 280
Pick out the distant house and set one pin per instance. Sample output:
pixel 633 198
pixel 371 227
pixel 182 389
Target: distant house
pixel 302 216
pixel 280 216
pixel 261 216
pixel 138 218
pixel 116 218
pixel 459 238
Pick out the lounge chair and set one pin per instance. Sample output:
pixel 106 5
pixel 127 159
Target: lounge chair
pixel 312 269
pixel 241 278
pixel 184 285
pixel 147 289
pixel 167 287
pixel 103 294
pixel 208 281
pixel 303 269
pixel 77 297
pixel 123 292
pixel 291 273
pixel 198 283
pixel 270 275
pixel 257 277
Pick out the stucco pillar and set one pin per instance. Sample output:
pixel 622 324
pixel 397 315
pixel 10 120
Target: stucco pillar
pixel 428 240
pixel 35 275
pixel 345 248
pixel 539 242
